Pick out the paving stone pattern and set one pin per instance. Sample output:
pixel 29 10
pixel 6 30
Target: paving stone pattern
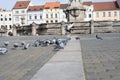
pixel 23 64
pixel 101 58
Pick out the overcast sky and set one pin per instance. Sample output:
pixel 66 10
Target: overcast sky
pixel 8 4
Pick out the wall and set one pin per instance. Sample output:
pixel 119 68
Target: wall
pixel 82 27
pixel 85 27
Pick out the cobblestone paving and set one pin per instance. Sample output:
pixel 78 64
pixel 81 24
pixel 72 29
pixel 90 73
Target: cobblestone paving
pixel 22 64
pixel 101 58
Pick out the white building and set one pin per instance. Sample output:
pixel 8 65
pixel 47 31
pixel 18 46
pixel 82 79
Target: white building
pixel 62 13
pixel 20 12
pixel 35 14
pixel 89 10
pixel 6 19
pixel 51 12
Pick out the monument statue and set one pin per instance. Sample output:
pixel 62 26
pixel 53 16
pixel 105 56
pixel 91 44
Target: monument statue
pixel 75 11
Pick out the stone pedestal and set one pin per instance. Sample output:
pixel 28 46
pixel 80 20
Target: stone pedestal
pixel 63 31
pixel 34 27
pixel 91 27
pixel 14 30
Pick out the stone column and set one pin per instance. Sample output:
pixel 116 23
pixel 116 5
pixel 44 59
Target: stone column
pixel 34 27
pixel 14 30
pixel 63 25
pixel 91 27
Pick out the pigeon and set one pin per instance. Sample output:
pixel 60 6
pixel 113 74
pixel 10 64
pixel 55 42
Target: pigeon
pixel 68 27
pixel 15 45
pixel 98 37
pixel 37 43
pixel 6 43
pixel 25 47
pixel 23 43
pixel 3 50
pixel 60 43
pixel 77 38
pixel 46 42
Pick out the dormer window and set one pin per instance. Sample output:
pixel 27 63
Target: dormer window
pixel 20 5
pixel 16 11
pixel 34 9
pixel 23 11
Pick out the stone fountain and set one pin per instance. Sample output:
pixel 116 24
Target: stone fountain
pixel 75 11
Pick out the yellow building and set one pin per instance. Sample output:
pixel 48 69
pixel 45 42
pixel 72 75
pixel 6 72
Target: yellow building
pixel 106 11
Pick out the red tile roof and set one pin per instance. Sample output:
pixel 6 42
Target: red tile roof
pixel 63 6
pixel 35 8
pixel 21 4
pixel 101 6
pixel 51 5
pixel 87 3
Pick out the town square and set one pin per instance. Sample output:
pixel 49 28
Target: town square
pixel 60 40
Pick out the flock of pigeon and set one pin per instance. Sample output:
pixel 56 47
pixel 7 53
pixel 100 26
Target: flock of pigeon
pixel 59 43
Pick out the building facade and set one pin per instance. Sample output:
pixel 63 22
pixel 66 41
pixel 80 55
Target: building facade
pixel 20 12
pixel 6 19
pixel 106 11
pixel 89 10
pixel 35 14
pixel 51 12
pixel 63 17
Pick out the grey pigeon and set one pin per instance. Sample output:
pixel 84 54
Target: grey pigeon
pixel 98 37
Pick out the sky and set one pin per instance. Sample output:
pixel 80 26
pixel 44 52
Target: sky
pixel 8 4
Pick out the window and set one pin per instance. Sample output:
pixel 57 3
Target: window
pixel 46 15
pixel 89 15
pixel 1 19
pixel 103 14
pixel 16 11
pixel 56 21
pixel 109 14
pixel 51 21
pixel 30 17
pixel 115 13
pixel 9 14
pixel 10 19
pixel 40 16
pixel 22 11
pixel 5 19
pixel 97 14
pixel 51 15
pixel 10 26
pixel 55 15
pixel 47 21
pixel 35 16
pixel 6 26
